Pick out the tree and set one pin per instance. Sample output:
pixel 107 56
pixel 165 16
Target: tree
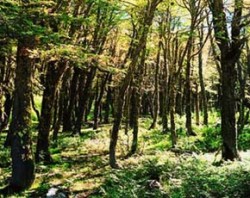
pixel 19 137
pixel 230 45
pixel 21 24
pixel 145 25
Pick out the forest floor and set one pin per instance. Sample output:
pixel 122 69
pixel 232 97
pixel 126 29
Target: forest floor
pixel 193 169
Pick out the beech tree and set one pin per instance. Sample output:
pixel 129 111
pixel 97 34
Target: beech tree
pixel 144 29
pixel 230 43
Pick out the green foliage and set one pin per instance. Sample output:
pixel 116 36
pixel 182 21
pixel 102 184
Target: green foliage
pixel 244 139
pixel 5 159
pixel 43 188
pixel 133 183
pixel 187 178
pixel 200 179
pixel 22 19
pixel 157 140
pixel 211 139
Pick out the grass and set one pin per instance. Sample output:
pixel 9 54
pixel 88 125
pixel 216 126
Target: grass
pixel 81 165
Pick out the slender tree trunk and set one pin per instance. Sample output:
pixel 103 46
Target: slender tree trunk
pixel 2 71
pixel 89 105
pixel 156 91
pixel 6 99
pixel 1 110
pixel 136 101
pixel 59 119
pixel 73 93
pixel 98 101
pixel 7 108
pixel 53 76
pixel 148 18
pixel 165 98
pixel 108 102
pixel 172 111
pixel 188 94
pixel 135 108
pixel 56 109
pixel 202 85
pixel 83 97
pixel 180 96
pixel 197 105
pixel 65 94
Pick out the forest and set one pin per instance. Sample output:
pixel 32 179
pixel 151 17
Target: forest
pixel 125 98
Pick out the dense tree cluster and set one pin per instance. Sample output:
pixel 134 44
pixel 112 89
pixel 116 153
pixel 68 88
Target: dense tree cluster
pixel 118 61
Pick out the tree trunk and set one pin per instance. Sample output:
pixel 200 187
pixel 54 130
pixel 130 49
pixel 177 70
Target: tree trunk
pixel 19 136
pixel 53 76
pixel 172 111
pixel 83 97
pixel 197 105
pixel 135 108
pixel 165 92
pixel 108 102
pixel 73 93
pixel 59 117
pixel 136 101
pixel 228 110
pixel 5 86
pixel 156 91
pixel 188 93
pixel 148 18
pixel 230 48
pixel 98 101
pixel 202 85
pixel 65 94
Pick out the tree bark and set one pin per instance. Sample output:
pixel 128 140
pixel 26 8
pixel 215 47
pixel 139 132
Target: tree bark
pixel 228 111
pixel 156 91
pixel 108 102
pixel 19 136
pixel 83 97
pixel 54 73
pixel 72 99
pixel 98 101
pixel 230 48
pixel 197 105
pixel 201 79
pixel 135 108
pixel 188 101
pixel 147 21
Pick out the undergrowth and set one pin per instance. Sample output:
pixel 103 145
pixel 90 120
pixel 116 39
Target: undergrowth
pixel 186 178
pixel 81 164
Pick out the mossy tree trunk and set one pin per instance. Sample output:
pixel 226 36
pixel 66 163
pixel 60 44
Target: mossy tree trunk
pixel 19 136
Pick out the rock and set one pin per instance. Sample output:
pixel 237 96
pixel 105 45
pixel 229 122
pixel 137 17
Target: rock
pixel 56 193
pixel 52 192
